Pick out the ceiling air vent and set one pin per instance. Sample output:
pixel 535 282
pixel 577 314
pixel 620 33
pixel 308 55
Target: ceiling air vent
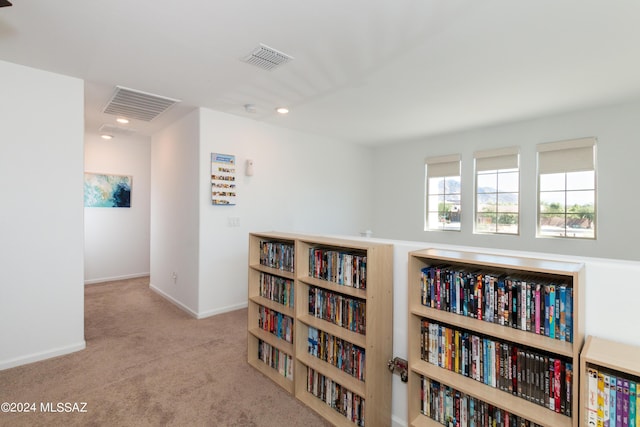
pixel 267 57
pixel 134 104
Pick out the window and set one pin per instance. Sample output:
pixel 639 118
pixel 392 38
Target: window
pixel 497 191
pixel 567 189
pixel 443 208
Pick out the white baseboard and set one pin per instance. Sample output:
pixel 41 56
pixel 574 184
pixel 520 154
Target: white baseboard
pixel 193 313
pixel 221 310
pixel 395 422
pixel 114 278
pixel 36 357
pixel 173 301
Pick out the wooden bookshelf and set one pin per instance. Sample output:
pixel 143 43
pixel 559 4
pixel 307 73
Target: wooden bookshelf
pixel 255 334
pixel 611 358
pixel 377 340
pixel 571 274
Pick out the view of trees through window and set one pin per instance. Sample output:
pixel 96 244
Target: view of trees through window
pixel 497 208
pixel 443 203
pixel 567 205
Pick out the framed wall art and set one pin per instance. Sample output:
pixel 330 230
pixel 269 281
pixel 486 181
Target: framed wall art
pixel 223 179
pixel 107 191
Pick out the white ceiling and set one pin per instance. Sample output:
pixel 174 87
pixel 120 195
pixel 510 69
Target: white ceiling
pixel 366 71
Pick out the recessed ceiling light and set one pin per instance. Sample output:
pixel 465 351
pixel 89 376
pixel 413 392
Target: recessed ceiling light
pixel 122 120
pixel 105 136
pixel 282 110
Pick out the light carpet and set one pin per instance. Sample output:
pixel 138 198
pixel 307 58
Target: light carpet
pixel 148 363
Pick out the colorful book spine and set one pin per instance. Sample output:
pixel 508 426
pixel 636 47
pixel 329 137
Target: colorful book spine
pixel 552 311
pixel 632 404
pixel 424 286
pixel 619 404
pixel 600 397
pixel 558 375
pixel 547 299
pixel 592 397
pixel 637 404
pixel 569 315
pixel 568 389
pixel 537 309
pixel 625 402
pixel 606 398
pixel 562 313
pixel 479 296
pixel 523 306
pixel 612 401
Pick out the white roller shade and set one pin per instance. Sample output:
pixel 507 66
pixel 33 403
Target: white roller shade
pixel 500 158
pixel 574 155
pixel 443 165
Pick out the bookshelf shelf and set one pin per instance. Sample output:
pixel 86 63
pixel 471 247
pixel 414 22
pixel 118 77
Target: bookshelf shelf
pixel 335 330
pixel 345 290
pixel 377 296
pixel 524 338
pixel 610 359
pixel 272 340
pixel 329 370
pixel 422 421
pixel 324 410
pixel 493 396
pixel 265 302
pixel 613 355
pixel 257 242
pixel 273 271
pixel 511 337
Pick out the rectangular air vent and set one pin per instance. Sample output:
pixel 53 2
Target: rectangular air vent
pixel 134 104
pixel 267 57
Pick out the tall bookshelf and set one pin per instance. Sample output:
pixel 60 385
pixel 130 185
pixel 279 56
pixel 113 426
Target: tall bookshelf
pixel 508 337
pixel 613 360
pixel 373 290
pixel 277 361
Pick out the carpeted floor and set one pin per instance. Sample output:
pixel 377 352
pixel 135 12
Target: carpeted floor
pixel 147 363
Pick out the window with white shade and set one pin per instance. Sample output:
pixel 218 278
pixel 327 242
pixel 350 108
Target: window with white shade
pixel 497 191
pixel 567 189
pixel 443 209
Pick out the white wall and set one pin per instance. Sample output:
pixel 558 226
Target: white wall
pixel 400 213
pixel 41 217
pixel 116 241
pixel 301 183
pixel 174 222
